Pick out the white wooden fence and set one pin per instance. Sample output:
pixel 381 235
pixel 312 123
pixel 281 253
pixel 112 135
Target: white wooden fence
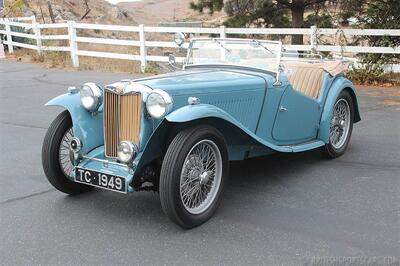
pixel 73 39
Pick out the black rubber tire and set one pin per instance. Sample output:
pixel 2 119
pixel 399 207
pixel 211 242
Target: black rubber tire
pixel 171 171
pixel 328 150
pixel 50 156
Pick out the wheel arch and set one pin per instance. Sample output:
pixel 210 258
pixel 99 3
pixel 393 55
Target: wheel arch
pixel 351 91
pixel 84 123
pixel 236 140
pixel 232 134
pixel 339 85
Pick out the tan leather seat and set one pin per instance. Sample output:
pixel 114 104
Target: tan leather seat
pixel 307 80
pixel 308 77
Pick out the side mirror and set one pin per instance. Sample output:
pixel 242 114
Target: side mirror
pixel 179 38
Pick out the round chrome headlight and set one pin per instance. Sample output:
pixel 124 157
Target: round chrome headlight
pixel 127 151
pixel 158 103
pixel 91 96
pixel 179 38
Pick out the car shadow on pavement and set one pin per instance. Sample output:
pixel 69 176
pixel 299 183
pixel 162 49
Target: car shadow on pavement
pixel 259 176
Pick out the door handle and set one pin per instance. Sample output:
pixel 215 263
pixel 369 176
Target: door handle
pixel 283 109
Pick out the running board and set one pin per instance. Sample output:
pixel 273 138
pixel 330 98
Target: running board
pixel 304 146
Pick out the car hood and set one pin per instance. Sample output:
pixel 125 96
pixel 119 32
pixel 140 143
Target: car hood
pixel 180 82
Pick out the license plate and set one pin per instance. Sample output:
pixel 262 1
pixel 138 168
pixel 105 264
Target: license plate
pixel 102 180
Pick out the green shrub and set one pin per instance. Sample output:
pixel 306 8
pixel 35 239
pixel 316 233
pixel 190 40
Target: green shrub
pixel 372 73
pixel 378 15
pixel 152 68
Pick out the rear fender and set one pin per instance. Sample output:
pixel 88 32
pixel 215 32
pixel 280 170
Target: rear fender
pixel 340 84
pixel 87 127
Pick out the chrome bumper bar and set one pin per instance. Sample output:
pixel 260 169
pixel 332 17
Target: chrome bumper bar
pixel 106 162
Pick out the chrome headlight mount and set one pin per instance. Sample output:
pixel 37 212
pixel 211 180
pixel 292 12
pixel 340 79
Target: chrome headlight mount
pixel 91 96
pixel 75 147
pixel 158 104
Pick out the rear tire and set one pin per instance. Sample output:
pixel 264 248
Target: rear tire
pixel 193 175
pixel 51 156
pixel 341 126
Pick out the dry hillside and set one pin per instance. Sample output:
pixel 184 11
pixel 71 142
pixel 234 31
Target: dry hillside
pixel 89 11
pixel 148 12
pixel 153 12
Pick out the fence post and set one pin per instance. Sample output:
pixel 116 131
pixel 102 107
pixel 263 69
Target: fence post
pixel 72 43
pixel 9 37
pixel 38 37
pixel 143 52
pixel 222 33
pixel 313 39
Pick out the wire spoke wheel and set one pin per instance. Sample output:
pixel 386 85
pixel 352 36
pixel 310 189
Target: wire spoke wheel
pixel 64 157
pixel 193 175
pixel 340 124
pixel 201 176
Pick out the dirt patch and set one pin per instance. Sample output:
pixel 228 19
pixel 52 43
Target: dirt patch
pixel 381 90
pixel 388 96
pixel 391 102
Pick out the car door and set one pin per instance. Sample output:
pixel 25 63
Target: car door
pixel 297 118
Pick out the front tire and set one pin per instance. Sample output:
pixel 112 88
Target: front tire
pixel 341 126
pixel 193 175
pixel 56 162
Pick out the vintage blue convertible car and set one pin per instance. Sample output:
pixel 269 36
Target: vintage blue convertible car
pixel 176 133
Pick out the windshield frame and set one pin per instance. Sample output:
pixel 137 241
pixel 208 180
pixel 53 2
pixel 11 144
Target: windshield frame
pixel 217 40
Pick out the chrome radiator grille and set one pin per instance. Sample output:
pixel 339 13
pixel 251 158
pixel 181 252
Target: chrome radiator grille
pixel 122 115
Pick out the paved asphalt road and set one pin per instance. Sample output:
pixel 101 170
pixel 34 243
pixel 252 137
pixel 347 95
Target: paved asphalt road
pixel 282 209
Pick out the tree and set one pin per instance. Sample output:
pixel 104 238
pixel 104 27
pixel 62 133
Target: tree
pixel 267 13
pixel 378 14
pixel 297 9
pixel 211 5
pixel 260 13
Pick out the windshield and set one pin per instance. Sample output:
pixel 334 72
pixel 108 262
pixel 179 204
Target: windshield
pixel 251 53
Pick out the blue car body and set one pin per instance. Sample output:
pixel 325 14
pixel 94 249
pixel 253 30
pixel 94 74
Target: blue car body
pixel 255 115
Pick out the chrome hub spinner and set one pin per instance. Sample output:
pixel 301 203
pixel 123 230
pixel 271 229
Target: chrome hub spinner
pixel 204 177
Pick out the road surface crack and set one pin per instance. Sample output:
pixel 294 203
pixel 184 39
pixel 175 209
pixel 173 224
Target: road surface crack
pixel 21 125
pixel 27 196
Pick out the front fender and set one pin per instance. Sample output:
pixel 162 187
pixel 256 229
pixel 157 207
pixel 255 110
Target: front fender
pixel 87 127
pixel 338 85
pixel 200 111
